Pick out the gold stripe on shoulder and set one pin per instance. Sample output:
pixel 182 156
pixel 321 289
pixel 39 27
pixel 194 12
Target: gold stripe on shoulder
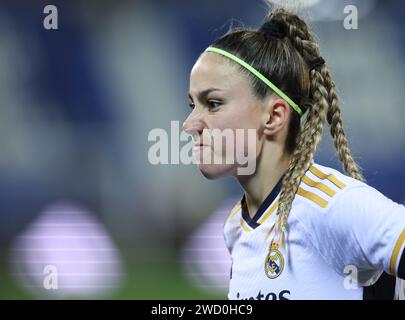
pixel 313 197
pixel 395 253
pixel 234 210
pixel 319 185
pixel 244 225
pixel 324 176
pixel 269 212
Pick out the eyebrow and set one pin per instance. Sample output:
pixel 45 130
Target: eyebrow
pixel 202 94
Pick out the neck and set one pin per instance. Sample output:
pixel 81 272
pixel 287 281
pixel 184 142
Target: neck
pixel 270 167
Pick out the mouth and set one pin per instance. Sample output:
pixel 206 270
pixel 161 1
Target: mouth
pixel 200 146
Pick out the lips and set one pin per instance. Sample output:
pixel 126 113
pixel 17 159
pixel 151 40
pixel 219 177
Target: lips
pixel 200 146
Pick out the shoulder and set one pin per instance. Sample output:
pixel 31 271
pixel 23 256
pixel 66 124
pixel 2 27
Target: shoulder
pixel 322 186
pixel 231 227
pixel 339 191
pixel 349 222
pixel 330 202
pixel 234 211
pixel 327 196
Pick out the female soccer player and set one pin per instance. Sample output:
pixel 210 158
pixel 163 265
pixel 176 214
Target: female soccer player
pixel 301 230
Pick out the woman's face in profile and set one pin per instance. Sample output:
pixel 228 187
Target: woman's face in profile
pixel 223 108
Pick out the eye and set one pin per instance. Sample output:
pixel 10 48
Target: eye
pixel 214 104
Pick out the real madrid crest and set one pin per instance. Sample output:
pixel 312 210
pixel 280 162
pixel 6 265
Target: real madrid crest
pixel 274 263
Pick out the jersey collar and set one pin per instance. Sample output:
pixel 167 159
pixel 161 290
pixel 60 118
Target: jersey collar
pixel 253 222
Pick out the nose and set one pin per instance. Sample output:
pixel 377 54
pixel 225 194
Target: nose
pixel 194 125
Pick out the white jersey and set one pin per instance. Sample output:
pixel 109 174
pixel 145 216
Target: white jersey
pixel 342 235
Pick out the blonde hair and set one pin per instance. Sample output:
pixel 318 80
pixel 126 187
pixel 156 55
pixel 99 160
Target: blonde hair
pixel 324 106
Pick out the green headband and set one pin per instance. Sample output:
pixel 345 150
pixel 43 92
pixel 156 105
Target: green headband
pixel 259 75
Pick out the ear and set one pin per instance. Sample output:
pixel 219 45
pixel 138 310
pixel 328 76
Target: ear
pixel 276 116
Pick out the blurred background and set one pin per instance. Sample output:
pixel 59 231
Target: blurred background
pixel 78 195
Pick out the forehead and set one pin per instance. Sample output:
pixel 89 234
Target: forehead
pixel 212 69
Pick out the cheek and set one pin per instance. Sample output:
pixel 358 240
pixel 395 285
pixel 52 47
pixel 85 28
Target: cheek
pixel 239 135
pixel 242 120
pixel 237 117
pixel 247 137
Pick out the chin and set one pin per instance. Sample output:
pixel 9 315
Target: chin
pixel 213 172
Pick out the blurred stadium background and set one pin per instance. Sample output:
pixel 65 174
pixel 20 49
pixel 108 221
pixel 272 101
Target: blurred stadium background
pixel 76 105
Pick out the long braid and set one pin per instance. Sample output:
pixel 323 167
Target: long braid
pixel 306 45
pixel 302 156
pixel 337 132
pixel 325 106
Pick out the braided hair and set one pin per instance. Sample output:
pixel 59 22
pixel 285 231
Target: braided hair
pixel 287 61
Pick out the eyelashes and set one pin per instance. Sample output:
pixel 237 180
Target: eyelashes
pixel 211 104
